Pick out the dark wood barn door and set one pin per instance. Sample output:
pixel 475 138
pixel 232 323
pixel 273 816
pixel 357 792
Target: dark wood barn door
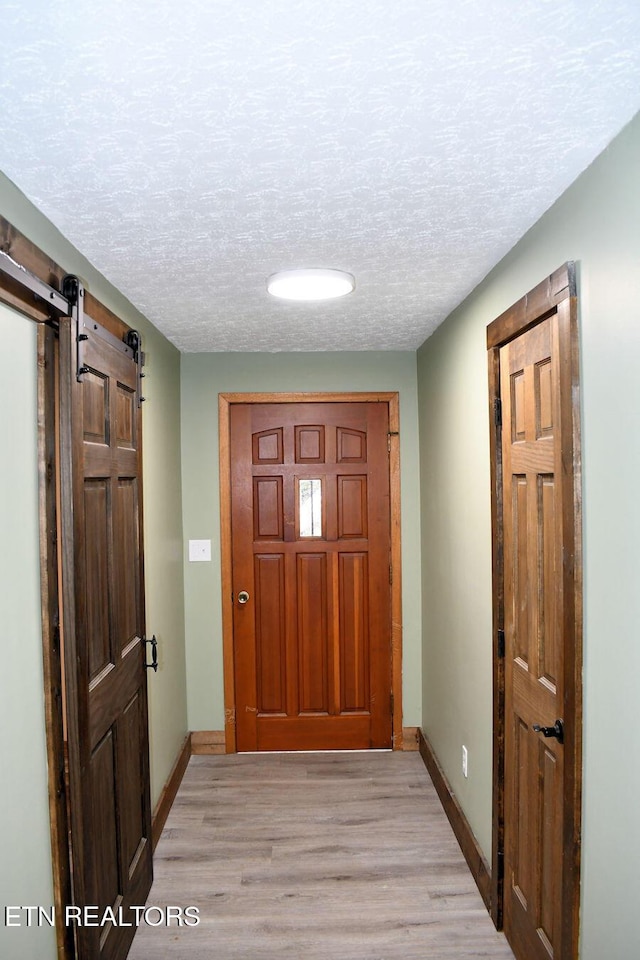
pixel 540 525
pixel 100 429
pixel 310 519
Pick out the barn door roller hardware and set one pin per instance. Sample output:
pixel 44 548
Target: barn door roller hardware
pixel 134 341
pixel 74 292
pixel 86 329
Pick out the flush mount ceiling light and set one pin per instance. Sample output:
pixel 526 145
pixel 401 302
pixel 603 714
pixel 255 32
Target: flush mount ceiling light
pixel 312 283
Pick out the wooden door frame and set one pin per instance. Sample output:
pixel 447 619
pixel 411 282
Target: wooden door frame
pixel 16 294
pixel 50 606
pixel 225 401
pixel 51 547
pixel 555 294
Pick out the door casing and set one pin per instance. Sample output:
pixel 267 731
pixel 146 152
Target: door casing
pixel 225 401
pixel 539 303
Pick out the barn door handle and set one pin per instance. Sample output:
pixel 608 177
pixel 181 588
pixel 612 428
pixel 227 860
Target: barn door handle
pixel 243 596
pixel 557 730
pixel 154 654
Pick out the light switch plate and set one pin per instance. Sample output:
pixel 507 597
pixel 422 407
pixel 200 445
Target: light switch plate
pixel 199 550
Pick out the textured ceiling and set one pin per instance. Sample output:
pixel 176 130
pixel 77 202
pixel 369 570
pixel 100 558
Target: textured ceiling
pixel 191 149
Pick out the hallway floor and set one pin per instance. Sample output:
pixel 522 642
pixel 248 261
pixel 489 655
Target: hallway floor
pixel 314 856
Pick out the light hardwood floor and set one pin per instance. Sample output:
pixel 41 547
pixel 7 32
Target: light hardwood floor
pixel 315 857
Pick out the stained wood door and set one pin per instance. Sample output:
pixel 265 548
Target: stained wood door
pixel 540 513
pixel 103 630
pixel 311 575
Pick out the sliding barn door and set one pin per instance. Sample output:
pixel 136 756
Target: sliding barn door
pixel 311 575
pixel 103 631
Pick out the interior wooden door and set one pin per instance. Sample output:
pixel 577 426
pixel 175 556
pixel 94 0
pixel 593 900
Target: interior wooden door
pixel 103 631
pixel 540 513
pixel 310 517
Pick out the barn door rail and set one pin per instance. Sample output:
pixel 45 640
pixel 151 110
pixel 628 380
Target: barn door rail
pixel 57 302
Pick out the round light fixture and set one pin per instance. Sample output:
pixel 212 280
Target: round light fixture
pixel 312 283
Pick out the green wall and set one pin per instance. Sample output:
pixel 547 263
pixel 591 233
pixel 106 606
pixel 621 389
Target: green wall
pixel 597 223
pixel 164 585
pixel 456 561
pixel 203 377
pixel 163 543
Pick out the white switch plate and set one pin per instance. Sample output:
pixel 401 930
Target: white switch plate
pixel 199 550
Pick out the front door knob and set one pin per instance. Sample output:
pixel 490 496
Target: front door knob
pixel 557 730
pixel 243 596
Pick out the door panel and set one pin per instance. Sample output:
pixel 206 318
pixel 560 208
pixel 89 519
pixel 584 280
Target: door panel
pixel 311 545
pixel 271 652
pixel 103 810
pixel 353 632
pixel 108 764
pixel 268 508
pixel 312 634
pixel 96 497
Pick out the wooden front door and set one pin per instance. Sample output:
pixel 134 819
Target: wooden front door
pixel 540 524
pixel 103 627
pixel 310 519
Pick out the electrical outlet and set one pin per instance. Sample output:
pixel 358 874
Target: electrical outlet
pixel 465 762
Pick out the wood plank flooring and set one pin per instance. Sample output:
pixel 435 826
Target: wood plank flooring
pixel 315 856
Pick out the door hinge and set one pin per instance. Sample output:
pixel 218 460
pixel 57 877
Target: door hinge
pixel 497 412
pixel 391 433
pixel 390 573
pixel 500 866
pixel 391 702
pixel 501 644
pixel 61 784
pixel 56 634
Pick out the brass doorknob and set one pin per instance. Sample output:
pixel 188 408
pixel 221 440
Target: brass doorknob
pixel 243 596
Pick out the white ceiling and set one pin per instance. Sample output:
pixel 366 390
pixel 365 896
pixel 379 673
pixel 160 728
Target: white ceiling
pixel 191 149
